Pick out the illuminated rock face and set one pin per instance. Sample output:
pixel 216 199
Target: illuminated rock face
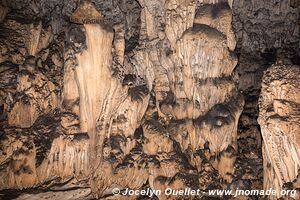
pixel 279 121
pixel 115 99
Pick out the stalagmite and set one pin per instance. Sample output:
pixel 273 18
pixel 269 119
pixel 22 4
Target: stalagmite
pixel 279 121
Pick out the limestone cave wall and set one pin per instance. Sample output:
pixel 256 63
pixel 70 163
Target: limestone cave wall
pixel 148 94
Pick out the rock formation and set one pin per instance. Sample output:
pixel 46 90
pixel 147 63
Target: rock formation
pixel 98 95
pixel 279 122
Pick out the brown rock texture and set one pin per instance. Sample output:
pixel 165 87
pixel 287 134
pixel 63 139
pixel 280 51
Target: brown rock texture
pixel 262 25
pixel 279 122
pixel 147 94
